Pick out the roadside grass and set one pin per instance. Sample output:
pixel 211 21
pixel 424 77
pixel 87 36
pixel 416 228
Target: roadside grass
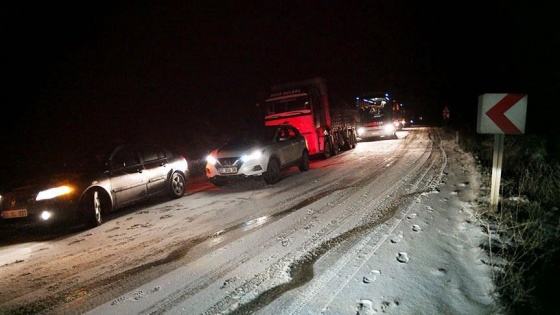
pixel 524 230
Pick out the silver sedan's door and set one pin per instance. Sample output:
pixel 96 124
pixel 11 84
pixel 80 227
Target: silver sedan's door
pixel 155 168
pixel 127 176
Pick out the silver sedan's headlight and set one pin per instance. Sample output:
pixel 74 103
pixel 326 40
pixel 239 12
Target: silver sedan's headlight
pixel 53 192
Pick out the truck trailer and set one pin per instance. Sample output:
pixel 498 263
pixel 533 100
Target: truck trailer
pixel 328 125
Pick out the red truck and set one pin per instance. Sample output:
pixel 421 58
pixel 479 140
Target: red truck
pixel 329 126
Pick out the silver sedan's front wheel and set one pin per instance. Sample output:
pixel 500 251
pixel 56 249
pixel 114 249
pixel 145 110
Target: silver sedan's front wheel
pixel 92 206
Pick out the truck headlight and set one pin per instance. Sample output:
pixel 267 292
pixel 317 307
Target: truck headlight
pixel 361 131
pixel 389 128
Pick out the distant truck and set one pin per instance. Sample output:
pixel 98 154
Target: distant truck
pixel 380 116
pixel 328 125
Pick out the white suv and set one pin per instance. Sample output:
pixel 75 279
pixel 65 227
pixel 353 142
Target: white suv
pixel 265 152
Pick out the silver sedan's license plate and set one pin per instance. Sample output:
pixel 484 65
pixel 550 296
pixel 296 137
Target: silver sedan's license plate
pixel 19 213
pixel 228 170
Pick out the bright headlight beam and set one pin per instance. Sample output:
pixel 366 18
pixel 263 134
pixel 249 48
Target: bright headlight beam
pixel 210 159
pixel 389 127
pixel 251 156
pixel 361 130
pixel 53 193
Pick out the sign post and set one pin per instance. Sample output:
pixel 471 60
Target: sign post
pixel 500 114
pixel 497 157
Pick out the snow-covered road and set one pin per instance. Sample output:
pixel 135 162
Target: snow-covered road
pixel 306 245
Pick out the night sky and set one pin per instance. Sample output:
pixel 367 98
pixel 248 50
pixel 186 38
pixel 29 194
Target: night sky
pixel 87 70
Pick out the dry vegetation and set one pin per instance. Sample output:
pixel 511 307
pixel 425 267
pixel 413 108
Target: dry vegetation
pixel 524 230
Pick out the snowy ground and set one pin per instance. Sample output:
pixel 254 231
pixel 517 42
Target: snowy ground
pixel 431 262
pixel 384 228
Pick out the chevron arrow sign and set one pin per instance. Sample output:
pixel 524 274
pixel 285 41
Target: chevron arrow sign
pixel 502 113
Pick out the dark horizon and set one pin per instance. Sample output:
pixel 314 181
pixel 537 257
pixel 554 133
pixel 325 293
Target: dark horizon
pixel 93 69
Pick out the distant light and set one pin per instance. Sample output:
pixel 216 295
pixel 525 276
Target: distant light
pixel 361 131
pixel 389 127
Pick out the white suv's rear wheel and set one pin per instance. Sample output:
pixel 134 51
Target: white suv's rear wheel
pixel 304 165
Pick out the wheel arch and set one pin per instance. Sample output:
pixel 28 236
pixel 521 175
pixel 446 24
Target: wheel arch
pixel 107 200
pixel 174 170
pixel 275 157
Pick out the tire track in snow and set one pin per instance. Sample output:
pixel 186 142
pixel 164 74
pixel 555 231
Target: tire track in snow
pixel 426 183
pixel 389 204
